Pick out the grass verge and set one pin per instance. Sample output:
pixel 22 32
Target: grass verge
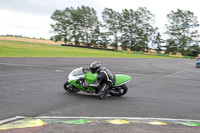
pixel 27 49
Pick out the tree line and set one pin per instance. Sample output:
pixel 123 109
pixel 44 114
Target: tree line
pixel 134 30
pixel 22 36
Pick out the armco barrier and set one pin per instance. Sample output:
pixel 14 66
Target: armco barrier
pixel 128 52
pixel 146 53
pixel 167 55
pixel 138 52
pixel 188 57
pixel 86 47
pixel 159 54
pixel 177 56
pixel 149 53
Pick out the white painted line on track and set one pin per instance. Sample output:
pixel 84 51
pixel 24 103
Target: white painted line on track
pixel 11 119
pixel 176 73
pixel 126 118
pixel 138 74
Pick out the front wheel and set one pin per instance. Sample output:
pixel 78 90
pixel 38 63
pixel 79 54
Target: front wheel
pixel 70 88
pixel 119 91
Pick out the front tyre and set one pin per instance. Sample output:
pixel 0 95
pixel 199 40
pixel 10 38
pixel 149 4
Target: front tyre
pixel 70 88
pixel 119 90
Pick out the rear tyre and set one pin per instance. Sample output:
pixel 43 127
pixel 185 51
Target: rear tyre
pixel 119 91
pixel 70 88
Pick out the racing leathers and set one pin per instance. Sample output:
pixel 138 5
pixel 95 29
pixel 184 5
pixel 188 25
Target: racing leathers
pixel 105 80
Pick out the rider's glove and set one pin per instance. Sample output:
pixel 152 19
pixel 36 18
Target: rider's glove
pixel 87 68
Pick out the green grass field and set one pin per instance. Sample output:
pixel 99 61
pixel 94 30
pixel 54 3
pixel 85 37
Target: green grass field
pixel 26 49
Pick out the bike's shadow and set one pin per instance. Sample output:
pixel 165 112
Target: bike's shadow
pixel 91 96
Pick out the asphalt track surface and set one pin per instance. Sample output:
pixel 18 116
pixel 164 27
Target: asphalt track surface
pixel 160 88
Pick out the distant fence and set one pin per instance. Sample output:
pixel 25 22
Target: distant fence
pixel 162 54
pixel 135 52
pixel 167 55
pixel 149 53
pixel 87 47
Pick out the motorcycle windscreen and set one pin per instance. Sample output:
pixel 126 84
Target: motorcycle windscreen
pixel 121 79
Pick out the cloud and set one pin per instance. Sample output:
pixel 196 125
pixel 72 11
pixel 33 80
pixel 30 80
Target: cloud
pixel 17 23
pixel 27 6
pixel 33 16
pixel 42 7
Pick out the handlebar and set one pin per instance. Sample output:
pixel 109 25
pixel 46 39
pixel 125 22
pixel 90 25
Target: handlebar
pixel 85 69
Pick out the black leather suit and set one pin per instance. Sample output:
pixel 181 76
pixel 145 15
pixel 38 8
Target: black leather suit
pixel 105 80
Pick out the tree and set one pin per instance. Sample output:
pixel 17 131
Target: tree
pixel 125 42
pixel 128 29
pixel 75 26
pixel 171 46
pixel 58 38
pixel 51 38
pixel 88 23
pixel 145 28
pixel 95 37
pixel 157 41
pixel 104 40
pixel 182 28
pixel 112 22
pixel 62 24
pixel 137 29
pixel 193 50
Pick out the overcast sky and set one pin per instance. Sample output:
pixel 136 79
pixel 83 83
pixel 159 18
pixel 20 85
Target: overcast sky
pixel 31 18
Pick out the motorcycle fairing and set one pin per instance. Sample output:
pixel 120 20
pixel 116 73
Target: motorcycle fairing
pixel 121 79
pixel 74 83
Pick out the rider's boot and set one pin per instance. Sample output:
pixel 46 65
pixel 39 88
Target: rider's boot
pixel 103 92
pixel 101 95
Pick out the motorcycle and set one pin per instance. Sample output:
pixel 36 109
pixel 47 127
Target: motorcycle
pixel 80 77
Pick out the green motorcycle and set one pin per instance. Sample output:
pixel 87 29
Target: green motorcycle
pixel 80 76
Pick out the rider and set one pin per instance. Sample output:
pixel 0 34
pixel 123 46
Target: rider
pixel 105 79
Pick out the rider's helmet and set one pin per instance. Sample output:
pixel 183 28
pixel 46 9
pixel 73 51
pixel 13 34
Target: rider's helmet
pixel 95 66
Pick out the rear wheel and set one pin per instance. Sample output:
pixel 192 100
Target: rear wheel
pixel 70 88
pixel 119 91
